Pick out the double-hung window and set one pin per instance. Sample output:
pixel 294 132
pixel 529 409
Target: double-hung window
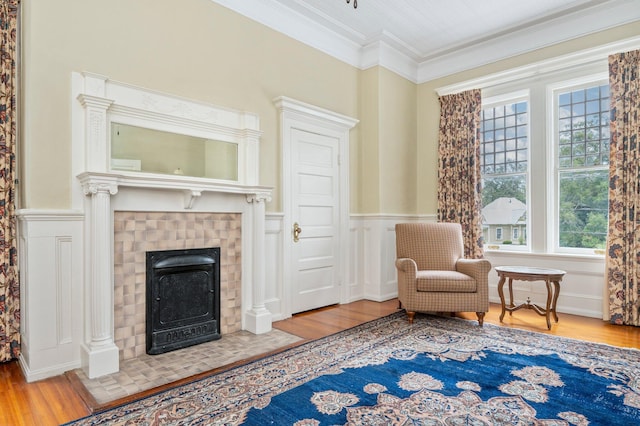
pixel 544 158
pixel 581 142
pixel 504 159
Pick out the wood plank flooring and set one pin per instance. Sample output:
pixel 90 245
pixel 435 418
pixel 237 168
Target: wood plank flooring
pixel 54 401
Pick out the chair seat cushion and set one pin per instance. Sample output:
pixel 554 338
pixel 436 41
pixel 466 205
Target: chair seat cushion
pixel 449 281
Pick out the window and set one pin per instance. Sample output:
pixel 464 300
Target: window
pixel 544 153
pixel 504 159
pixel 582 146
pixel 544 159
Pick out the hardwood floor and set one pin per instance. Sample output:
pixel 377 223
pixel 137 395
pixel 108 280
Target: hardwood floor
pixel 47 402
pixel 55 400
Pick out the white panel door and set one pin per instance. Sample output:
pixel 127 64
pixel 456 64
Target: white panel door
pixel 316 211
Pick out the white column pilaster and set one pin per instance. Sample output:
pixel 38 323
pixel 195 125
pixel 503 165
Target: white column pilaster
pixel 258 318
pixel 99 351
pixel 96 133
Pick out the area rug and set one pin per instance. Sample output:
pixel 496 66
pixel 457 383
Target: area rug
pixel 437 371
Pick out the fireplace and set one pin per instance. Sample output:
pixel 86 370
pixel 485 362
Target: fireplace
pixel 183 298
pixel 114 286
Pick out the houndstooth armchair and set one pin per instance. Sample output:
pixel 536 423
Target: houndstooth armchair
pixel 433 275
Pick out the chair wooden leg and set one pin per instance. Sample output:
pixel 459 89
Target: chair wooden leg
pixel 480 318
pixel 410 316
pixel 399 304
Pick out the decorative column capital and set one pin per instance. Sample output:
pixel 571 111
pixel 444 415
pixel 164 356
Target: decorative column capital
pixel 259 197
pixel 96 102
pixel 93 184
pixel 93 188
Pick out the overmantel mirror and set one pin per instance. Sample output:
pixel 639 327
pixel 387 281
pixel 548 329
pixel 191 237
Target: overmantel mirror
pixel 132 136
pixel 146 150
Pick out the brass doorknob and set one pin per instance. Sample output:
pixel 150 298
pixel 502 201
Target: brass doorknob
pixel 296 232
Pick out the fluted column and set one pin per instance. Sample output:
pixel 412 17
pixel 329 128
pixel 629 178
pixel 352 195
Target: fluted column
pixel 99 351
pixel 258 318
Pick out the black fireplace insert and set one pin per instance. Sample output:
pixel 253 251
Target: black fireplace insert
pixel 183 298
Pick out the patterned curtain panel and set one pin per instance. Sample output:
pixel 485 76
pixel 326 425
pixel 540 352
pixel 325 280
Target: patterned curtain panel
pixel 623 254
pixel 9 290
pixel 459 167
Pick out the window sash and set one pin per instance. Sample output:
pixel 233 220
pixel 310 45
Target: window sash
pixel 570 216
pixel 509 157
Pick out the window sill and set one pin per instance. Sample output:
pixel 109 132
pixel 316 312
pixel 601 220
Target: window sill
pixel 528 254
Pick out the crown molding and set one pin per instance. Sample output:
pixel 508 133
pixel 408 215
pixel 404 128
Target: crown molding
pixel 386 52
pixel 297 26
pixel 582 23
pixel 382 54
pixel 596 56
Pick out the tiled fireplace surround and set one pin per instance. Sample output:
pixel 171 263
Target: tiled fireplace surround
pixel 128 215
pixel 137 232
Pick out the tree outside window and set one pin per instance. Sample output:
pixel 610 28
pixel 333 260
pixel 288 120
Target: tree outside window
pixel 582 142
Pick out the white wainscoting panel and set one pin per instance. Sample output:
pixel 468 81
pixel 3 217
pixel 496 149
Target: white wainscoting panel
pixel 373 261
pixel 51 271
pixel 581 288
pixel 373 236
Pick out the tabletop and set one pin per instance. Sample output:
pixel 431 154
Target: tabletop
pixel 528 270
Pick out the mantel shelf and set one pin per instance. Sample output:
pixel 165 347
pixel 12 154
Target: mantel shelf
pixel 194 186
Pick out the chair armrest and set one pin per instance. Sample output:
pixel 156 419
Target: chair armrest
pixel 406 265
pixel 407 272
pixel 476 268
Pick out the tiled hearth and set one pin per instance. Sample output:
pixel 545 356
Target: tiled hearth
pixel 149 371
pixel 137 232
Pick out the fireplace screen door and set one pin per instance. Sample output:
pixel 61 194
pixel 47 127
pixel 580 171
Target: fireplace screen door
pixel 183 298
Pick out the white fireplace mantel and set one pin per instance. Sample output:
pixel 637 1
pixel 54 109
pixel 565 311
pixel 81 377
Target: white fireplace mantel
pixel 191 187
pixel 100 191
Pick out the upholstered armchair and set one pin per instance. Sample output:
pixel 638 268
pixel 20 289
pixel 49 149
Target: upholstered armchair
pixel 434 276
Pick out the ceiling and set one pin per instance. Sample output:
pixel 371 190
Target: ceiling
pixel 426 39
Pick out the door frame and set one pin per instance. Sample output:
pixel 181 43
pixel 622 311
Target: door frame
pixel 309 118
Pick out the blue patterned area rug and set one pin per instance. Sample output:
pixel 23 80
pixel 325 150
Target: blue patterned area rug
pixel 438 371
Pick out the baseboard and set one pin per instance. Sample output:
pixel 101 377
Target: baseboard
pixel 43 373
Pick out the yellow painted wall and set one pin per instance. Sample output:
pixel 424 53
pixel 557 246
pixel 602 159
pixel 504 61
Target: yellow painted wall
pixel 397 122
pixel 387 144
pixel 200 50
pixel 368 152
pixel 196 49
